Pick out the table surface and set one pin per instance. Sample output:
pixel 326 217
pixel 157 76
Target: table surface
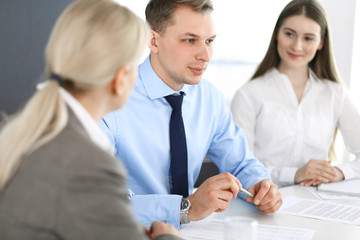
pixel 323 229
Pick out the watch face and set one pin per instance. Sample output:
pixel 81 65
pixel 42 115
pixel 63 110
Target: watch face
pixel 184 204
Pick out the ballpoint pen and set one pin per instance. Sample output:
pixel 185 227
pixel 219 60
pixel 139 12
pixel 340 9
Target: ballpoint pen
pixel 242 190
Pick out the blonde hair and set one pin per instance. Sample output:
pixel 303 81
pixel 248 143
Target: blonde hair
pixel 90 41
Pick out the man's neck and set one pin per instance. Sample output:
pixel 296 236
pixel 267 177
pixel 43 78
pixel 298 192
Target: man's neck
pixel 161 73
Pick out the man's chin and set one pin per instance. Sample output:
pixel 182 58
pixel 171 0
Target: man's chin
pixel 194 80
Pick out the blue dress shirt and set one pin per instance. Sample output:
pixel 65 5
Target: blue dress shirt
pixel 140 134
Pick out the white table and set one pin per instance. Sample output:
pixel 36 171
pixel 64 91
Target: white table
pixel 324 230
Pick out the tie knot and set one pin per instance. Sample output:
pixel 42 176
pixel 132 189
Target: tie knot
pixel 175 101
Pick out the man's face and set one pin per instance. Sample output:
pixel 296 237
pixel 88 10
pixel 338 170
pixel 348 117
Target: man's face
pixel 182 52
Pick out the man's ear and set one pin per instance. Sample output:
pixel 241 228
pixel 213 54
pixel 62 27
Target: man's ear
pixel 153 44
pixel 119 81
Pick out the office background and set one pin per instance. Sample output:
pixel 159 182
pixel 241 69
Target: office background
pixel 243 27
pixel 24 30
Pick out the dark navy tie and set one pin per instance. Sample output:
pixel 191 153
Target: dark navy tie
pixel 178 149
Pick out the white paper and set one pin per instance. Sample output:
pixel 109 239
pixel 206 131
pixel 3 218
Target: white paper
pixel 213 229
pixel 348 186
pixel 333 195
pixel 321 210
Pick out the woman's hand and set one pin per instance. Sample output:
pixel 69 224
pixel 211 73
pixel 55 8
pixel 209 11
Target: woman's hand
pixel 317 171
pixel 160 228
pixel 312 182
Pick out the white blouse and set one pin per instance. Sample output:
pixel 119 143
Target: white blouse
pixel 285 134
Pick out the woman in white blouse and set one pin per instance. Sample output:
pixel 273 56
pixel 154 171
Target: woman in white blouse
pixel 294 103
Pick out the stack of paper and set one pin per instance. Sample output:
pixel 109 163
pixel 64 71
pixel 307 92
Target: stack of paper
pixel 333 196
pixel 349 187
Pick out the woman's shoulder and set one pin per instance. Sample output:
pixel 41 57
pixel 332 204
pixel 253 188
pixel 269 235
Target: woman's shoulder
pixel 261 82
pixel 331 87
pixel 73 147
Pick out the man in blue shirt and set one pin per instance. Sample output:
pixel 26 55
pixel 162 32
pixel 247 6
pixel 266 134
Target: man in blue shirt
pixel 181 48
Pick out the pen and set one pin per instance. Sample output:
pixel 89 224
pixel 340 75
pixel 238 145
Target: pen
pixel 246 193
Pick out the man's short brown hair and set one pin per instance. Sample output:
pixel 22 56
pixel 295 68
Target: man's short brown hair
pixel 159 13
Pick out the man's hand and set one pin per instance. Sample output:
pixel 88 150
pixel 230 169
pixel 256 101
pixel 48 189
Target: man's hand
pixel 317 171
pixel 267 197
pixel 213 195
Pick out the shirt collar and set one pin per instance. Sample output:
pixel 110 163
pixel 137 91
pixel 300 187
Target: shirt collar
pixel 154 86
pixel 95 133
pixel 274 72
pixel 312 76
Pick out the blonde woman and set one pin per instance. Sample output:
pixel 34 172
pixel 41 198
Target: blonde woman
pixel 58 176
pixel 294 103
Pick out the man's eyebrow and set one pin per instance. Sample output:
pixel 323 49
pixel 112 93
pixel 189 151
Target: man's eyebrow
pixel 189 34
pixel 195 35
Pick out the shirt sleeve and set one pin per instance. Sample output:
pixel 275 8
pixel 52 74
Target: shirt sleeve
pixel 230 151
pixel 284 176
pixel 157 207
pixel 244 115
pixel 349 126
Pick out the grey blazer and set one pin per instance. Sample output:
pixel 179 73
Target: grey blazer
pixel 69 189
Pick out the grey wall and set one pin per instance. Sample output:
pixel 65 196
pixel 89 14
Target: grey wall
pixel 25 26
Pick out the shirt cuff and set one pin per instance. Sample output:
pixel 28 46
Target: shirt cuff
pixel 157 207
pixel 348 172
pixel 287 176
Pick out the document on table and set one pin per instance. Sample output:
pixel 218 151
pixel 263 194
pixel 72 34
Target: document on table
pixel 350 187
pixel 321 210
pixel 213 229
pixel 333 195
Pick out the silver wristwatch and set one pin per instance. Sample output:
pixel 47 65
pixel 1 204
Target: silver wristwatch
pixel 184 210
